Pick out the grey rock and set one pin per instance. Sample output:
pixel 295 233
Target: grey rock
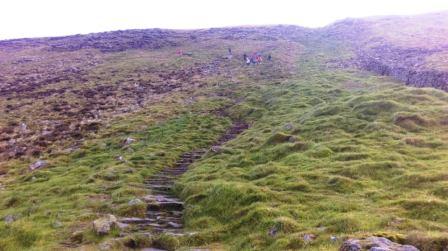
pixel 273 231
pixel 374 243
pixel 288 127
pixel 216 149
pixel 103 225
pixel 403 64
pixel 175 225
pixel 122 226
pixel 135 201
pixel 38 165
pixel 129 141
pixel 9 219
pixel 309 237
pixel 57 224
pixel 23 128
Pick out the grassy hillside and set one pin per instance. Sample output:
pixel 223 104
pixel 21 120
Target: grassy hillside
pixel 330 153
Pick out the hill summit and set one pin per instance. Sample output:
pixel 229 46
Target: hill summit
pixel 242 138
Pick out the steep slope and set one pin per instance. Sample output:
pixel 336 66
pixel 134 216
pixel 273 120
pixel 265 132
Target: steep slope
pixel 411 49
pixel 330 151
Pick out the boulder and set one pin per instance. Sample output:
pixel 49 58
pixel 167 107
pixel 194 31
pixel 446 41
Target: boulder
pixel 374 243
pixel 38 165
pixel 104 225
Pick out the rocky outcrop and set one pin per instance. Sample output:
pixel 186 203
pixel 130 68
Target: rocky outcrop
pixel 113 41
pixel 374 244
pixel 403 64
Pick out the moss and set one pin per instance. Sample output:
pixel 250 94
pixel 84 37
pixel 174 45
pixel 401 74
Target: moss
pixel 427 241
pixel 372 108
pixel 343 224
pixel 18 235
pixel 279 138
pixel 349 156
pixel 363 161
pixel 167 242
pixel 429 210
pixel 136 210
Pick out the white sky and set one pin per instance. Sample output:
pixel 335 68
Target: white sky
pixel 34 18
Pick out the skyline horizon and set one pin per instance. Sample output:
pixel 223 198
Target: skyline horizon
pixel 97 27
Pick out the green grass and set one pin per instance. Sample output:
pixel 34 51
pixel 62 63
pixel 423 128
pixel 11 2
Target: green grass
pixel 329 152
pixel 326 160
pixel 76 188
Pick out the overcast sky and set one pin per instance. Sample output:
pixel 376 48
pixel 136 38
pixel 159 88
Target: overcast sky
pixel 34 18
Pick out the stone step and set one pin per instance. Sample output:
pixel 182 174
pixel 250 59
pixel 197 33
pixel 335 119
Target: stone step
pixel 165 219
pixel 160 182
pixel 160 176
pixel 164 177
pixel 160 214
pixel 160 198
pixel 165 206
pixel 177 169
pixel 164 187
pixel 164 210
pixel 135 220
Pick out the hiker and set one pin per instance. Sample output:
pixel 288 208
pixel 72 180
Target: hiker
pixel 230 51
pixel 248 61
pixel 245 56
pixel 269 57
pixel 253 59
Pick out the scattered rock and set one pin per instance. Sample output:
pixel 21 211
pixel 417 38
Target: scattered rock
pixel 77 237
pixel 215 149
pixel 174 225
pixel 122 226
pixel 321 229
pixel 102 226
pixel 288 127
pixel 105 246
pixel 121 159
pixel 57 224
pixel 135 201
pixel 309 237
pixel 292 139
pixel 9 219
pixel 273 231
pixel 129 170
pixel 374 244
pixel 23 128
pixel 38 165
pixel 129 141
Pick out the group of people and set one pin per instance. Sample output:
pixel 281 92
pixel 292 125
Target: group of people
pixel 256 58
